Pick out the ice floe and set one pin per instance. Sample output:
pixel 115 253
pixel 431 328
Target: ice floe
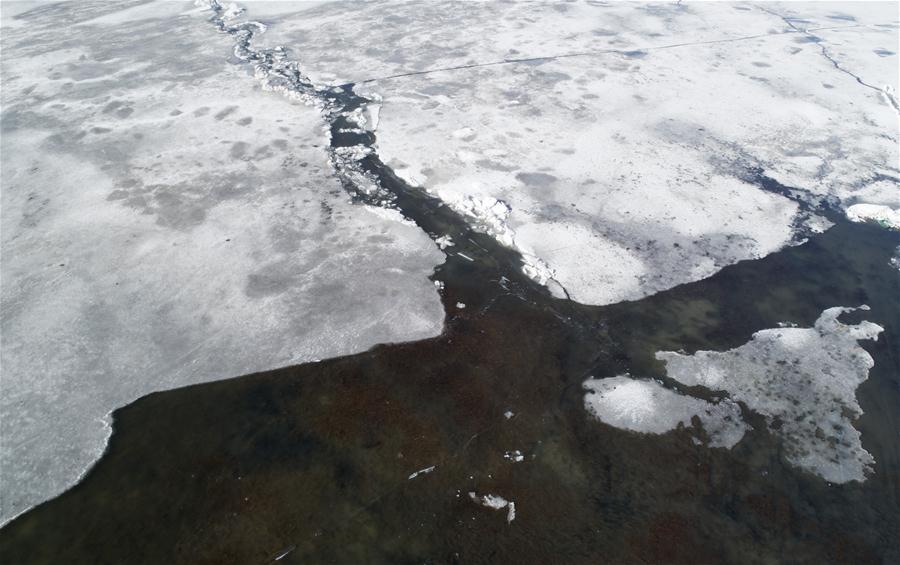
pixel 164 223
pixel 803 380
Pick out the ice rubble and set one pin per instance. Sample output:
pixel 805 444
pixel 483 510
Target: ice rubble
pixel 633 133
pixel 165 222
pixel 802 380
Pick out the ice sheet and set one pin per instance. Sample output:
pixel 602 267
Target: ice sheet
pixel 165 222
pixel 633 133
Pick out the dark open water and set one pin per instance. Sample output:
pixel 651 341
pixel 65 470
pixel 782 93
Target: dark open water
pixel 311 463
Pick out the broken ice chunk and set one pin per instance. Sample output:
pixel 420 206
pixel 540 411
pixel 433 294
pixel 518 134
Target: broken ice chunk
pixel 444 242
pixel 495 502
pixel 424 471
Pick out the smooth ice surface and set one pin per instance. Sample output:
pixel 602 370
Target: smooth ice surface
pixel 646 406
pixel 803 380
pixel 165 222
pixel 618 145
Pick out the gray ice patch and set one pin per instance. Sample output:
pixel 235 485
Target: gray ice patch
pixel 803 381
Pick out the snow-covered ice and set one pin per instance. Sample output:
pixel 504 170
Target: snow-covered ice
pixel 166 222
pixel 617 146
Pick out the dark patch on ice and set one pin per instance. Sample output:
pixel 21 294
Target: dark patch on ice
pixel 884 52
pixel 239 149
pixel 262 153
pixel 536 179
pixel 271 280
pixel 245 121
pixel 494 165
pixel 222 114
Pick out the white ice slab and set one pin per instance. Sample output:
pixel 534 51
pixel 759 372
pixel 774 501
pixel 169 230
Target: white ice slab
pixel 165 222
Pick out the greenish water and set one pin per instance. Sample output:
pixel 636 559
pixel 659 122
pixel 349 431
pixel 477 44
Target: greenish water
pixel 314 460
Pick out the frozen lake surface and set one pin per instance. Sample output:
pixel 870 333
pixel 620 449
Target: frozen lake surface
pixel 640 222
